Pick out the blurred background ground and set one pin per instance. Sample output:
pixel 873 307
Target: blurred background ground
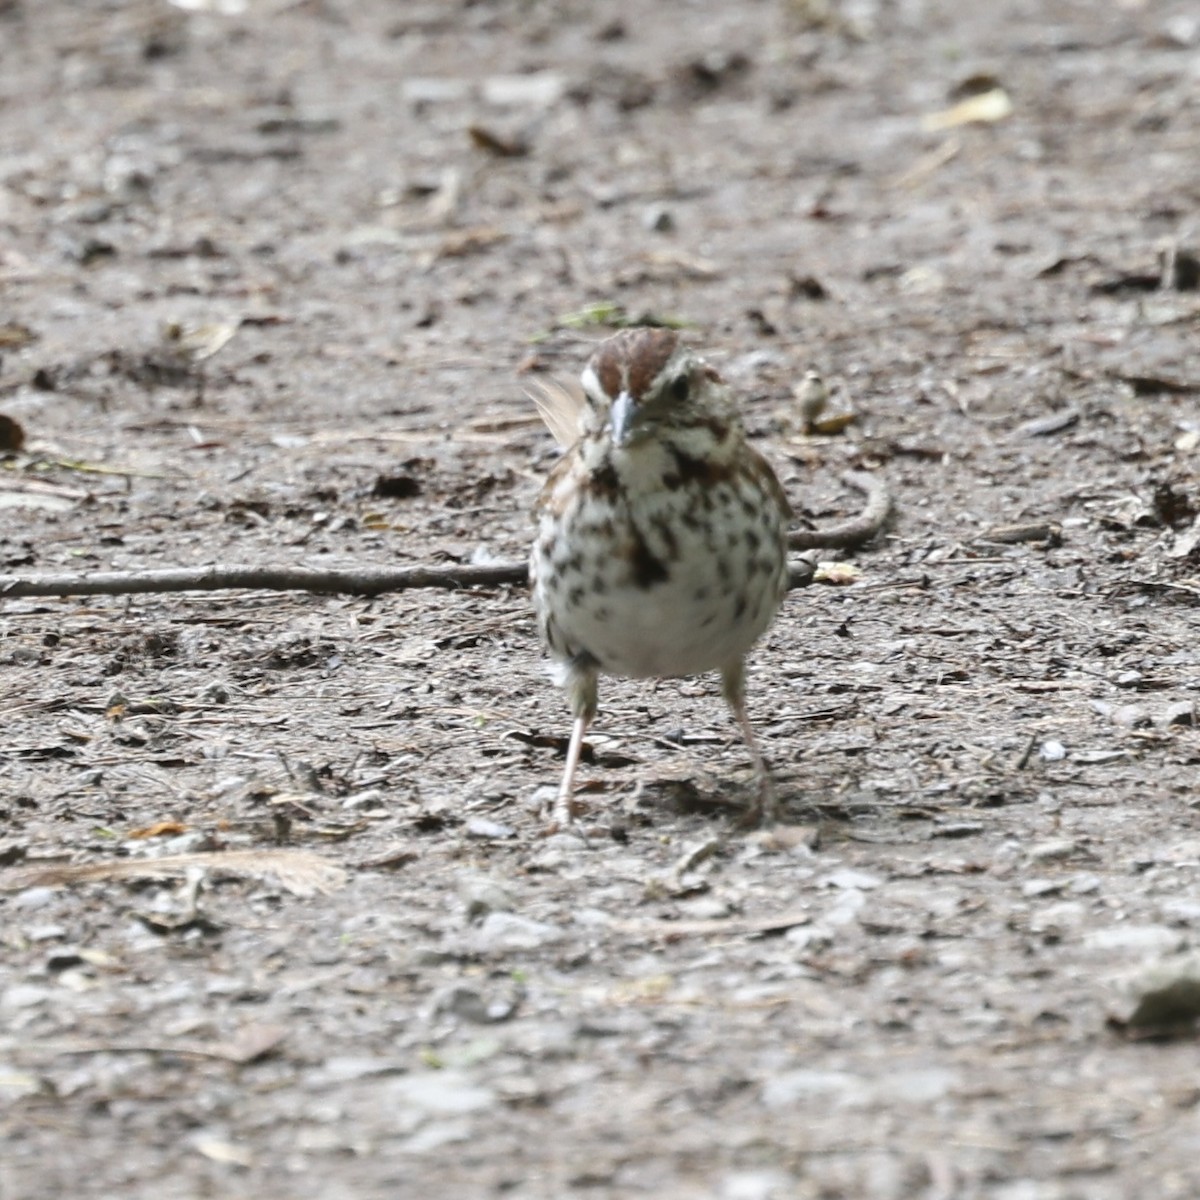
pixel 273 277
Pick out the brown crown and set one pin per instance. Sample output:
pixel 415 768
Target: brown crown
pixel 633 359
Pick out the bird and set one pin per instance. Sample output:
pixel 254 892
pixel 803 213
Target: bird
pixel 660 546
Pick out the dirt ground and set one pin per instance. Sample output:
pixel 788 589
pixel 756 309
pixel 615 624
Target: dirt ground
pixel 273 278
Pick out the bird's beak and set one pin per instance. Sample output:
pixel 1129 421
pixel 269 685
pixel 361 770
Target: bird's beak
pixel 623 417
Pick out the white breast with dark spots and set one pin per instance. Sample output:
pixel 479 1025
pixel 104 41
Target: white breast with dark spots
pixel 655 572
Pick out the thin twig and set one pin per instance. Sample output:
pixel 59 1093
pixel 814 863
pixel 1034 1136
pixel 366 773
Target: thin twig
pixel 858 530
pixel 271 579
pixel 853 532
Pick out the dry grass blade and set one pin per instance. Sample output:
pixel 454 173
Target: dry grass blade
pixel 720 926
pixel 561 407
pixel 298 871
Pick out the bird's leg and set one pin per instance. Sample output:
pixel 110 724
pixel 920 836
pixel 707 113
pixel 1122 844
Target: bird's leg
pixel 733 688
pixel 581 678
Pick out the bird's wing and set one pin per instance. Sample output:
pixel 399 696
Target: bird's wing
pixel 561 407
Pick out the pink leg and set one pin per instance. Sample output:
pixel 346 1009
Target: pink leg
pixel 733 687
pixel 562 816
pixel 581 684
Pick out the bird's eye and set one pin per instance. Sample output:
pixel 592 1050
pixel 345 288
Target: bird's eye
pixel 680 388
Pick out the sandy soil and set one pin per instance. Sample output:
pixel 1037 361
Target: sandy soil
pixel 271 284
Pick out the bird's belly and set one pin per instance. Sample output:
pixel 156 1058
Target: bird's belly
pixel 687 587
pixel 672 633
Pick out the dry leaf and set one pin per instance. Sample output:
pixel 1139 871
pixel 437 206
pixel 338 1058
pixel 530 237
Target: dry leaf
pixel 982 109
pixel 248 1044
pixel 218 1150
pixel 13 335
pixel 197 342
pixel 835 422
pixel 497 144
pixel 470 241
pixel 540 88
pixel 227 8
pixel 158 829
pixel 46 502
pixel 838 573
pixel 300 872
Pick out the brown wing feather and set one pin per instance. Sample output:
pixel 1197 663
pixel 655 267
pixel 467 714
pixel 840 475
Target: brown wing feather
pixel 767 477
pixel 561 407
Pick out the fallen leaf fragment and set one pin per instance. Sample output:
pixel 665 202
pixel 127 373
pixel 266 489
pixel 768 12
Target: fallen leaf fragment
pixel 218 1150
pixel 47 503
pixel 470 241
pixel 197 342
pixel 837 573
pixel 158 829
pixel 981 109
pixel 614 316
pixel 832 423
pixel 1056 422
pixel 497 144
pixel 17 1085
pixel 14 335
pixel 538 88
pixel 301 872
pixel 248 1045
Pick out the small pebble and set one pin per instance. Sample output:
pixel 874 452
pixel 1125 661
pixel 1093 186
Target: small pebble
pixel 1050 851
pixel 481 827
pixel 658 219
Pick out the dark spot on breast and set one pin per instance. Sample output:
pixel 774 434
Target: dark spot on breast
pixel 700 594
pixel 739 609
pixel 599 585
pixel 704 471
pixel 604 481
pixel 647 569
pixel 752 539
pixel 575 597
pixel 670 543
